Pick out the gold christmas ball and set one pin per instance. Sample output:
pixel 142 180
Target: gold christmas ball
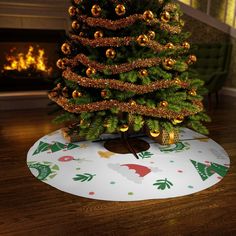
pixel 169 46
pixel 65 92
pixel 164 104
pixel 177 81
pixel 181 22
pixel 142 40
pixel 168 63
pixel 61 64
pixel 90 71
pixel 98 34
pixel 193 58
pixel 165 16
pixel 104 93
pixel 154 133
pixel 124 128
pixel 110 53
pixel 178 120
pixel 96 10
pixel 143 73
pixel 186 45
pixel 133 103
pixel 72 11
pixel 148 15
pixel 192 92
pixel 76 94
pixel 78 1
pixel 75 25
pixel 65 48
pixel 120 9
pixel 151 34
pixel 59 86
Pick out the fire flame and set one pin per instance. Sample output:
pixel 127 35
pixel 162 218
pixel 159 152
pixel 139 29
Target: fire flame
pixel 30 60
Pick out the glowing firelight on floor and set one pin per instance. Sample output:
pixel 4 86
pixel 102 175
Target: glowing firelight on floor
pixel 31 60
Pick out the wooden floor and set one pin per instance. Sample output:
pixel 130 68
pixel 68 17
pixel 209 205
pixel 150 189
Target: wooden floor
pixel 30 207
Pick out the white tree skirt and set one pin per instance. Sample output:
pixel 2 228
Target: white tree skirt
pixel 88 170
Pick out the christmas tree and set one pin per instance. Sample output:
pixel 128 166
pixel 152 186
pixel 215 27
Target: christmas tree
pixel 126 69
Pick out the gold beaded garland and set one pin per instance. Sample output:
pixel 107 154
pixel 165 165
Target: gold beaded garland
pixel 148 15
pixel 186 45
pixel 124 128
pixel 142 40
pixel 75 25
pixel 98 34
pixel 143 73
pixel 110 53
pixel 96 10
pixel 177 81
pixel 65 48
pixel 151 35
pixel 90 71
pixel 120 10
pixel 133 103
pixel 165 16
pixel 154 133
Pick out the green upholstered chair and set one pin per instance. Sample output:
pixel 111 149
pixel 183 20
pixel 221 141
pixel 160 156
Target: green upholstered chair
pixel 213 65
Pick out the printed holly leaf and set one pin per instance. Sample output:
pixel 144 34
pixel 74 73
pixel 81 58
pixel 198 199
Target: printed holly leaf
pixel 42 147
pixel 145 154
pixel 57 147
pixel 163 184
pixel 83 177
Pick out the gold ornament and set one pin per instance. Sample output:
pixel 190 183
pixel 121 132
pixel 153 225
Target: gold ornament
pixel 61 64
pixel 104 93
pixel 142 40
pixel 143 73
pixel 133 103
pixel 178 120
pixel 181 22
pixel 192 92
pixel 81 34
pixel 169 46
pixel 148 15
pixel 164 104
pixel 110 53
pixel 75 25
pixel 177 81
pixel 151 35
pixel 192 59
pixel 120 9
pixel 76 94
pixel 124 128
pixel 59 86
pixel 65 92
pixel 98 34
pixel 90 71
pixel 65 48
pixel 72 11
pixel 168 63
pixel 154 133
pixel 78 1
pixel 165 16
pixel 186 45
pixel 96 10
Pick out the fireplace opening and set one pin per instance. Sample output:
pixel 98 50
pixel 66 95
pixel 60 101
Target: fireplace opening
pixel 28 58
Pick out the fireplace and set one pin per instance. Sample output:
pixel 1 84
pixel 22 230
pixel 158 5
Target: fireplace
pixel 28 58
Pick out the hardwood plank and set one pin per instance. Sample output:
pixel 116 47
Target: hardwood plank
pixel 30 207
